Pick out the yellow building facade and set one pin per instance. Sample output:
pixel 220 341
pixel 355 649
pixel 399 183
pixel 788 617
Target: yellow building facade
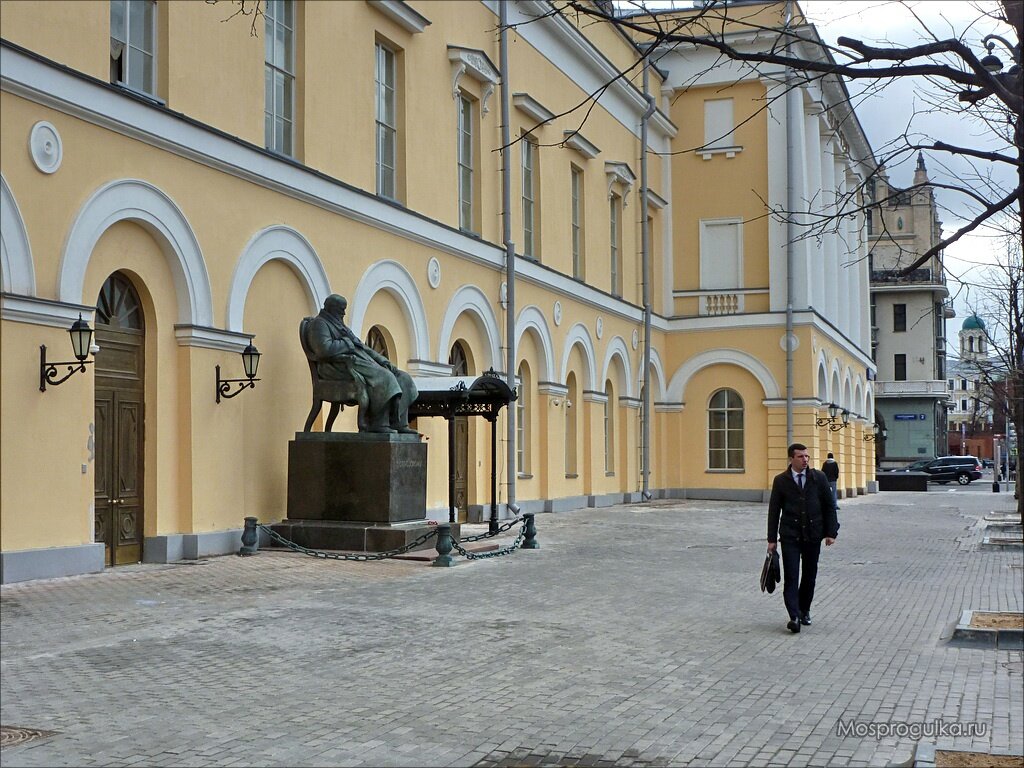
pixel 187 186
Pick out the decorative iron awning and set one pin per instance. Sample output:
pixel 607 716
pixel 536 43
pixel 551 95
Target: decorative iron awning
pixel 451 396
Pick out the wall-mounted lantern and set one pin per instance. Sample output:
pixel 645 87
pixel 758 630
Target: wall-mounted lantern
pixel 829 420
pixel 876 433
pixel 250 363
pixel 843 424
pixel 81 341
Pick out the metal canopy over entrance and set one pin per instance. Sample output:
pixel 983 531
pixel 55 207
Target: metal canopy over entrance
pixel 452 396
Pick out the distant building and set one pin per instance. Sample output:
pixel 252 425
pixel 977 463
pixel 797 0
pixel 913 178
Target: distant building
pixel 908 314
pixel 970 415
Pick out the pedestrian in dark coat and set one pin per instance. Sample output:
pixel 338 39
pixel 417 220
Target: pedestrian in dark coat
pixel 831 470
pixel 801 512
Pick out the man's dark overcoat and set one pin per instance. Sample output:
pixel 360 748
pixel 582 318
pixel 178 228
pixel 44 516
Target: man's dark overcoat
pixel 807 515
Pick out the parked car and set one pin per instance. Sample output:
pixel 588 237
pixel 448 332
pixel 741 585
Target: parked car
pixel 987 463
pixel 945 469
pixel 917 466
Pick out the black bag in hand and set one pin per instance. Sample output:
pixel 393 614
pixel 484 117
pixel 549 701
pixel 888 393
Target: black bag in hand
pixel 771 572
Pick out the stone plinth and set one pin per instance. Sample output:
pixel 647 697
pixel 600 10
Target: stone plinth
pixel 902 481
pixel 357 477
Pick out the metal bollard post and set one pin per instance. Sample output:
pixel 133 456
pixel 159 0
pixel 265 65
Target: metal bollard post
pixel 530 541
pixel 443 546
pixel 250 537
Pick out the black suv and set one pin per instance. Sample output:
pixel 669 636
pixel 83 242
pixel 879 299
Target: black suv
pixel 944 469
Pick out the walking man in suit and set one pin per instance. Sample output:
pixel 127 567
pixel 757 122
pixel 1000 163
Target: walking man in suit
pixel 801 512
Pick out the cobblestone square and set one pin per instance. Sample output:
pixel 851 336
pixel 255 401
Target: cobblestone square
pixel 635 636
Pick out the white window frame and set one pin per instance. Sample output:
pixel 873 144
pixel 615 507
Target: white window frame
pixel 523 421
pixel 129 44
pixel 529 169
pixel 728 431
pixel 466 155
pixel 278 71
pixel 615 243
pixel 577 222
pixel 571 443
pixel 385 103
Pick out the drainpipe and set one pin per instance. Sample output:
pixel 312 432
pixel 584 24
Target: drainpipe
pixel 510 256
pixel 792 111
pixel 645 424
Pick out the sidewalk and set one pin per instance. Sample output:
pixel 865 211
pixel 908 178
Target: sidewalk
pixel 635 636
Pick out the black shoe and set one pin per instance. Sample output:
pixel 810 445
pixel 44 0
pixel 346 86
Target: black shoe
pixel 793 626
pixel 805 619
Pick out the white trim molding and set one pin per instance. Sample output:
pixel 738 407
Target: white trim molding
pixel 576 140
pixel 617 348
pixel 620 172
pixel 16 266
pixel 744 360
pixel 400 13
pixel 281 243
pixel 211 338
pixel 151 208
pixel 579 334
pixel 394 278
pixel 532 108
pixel 36 311
pixel 473 62
pixel 531 317
pixel 469 299
pixel 552 389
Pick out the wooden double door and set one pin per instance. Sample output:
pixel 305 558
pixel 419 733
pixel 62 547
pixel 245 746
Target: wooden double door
pixel 119 422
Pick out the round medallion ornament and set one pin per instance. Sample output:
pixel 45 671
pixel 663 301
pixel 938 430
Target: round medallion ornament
pixel 434 272
pixel 794 342
pixel 45 146
pixel 503 295
pixel 600 327
pixel 557 313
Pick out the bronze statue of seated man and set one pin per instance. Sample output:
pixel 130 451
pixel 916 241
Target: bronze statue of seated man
pixel 340 355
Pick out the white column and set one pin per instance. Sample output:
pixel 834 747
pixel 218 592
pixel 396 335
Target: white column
pixel 828 183
pixel 777 173
pixel 802 245
pixel 815 264
pixel 853 238
pixel 843 255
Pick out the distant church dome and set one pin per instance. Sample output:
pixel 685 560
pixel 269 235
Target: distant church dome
pixel 974 323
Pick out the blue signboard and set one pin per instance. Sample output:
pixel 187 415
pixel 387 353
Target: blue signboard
pixel 906 417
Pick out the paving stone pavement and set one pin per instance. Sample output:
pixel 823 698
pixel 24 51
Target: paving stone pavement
pixel 635 636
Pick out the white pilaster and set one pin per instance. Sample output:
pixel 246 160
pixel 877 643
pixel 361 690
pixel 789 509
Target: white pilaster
pixel 828 245
pixel 812 150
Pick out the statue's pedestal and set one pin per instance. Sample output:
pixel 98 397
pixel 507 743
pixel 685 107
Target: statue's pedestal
pixel 356 491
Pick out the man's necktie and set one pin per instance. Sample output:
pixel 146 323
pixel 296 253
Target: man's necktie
pixel 800 480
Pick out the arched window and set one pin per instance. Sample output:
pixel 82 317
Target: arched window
pixel 118 305
pixel 970 344
pixel 725 430
pixel 571 407
pixel 523 411
pixel 458 361
pixel 375 340
pixel 609 428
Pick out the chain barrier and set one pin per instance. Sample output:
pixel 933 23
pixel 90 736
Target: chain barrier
pixel 487 534
pixel 337 556
pixel 497 553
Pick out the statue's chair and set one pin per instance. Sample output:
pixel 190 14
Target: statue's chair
pixel 338 392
